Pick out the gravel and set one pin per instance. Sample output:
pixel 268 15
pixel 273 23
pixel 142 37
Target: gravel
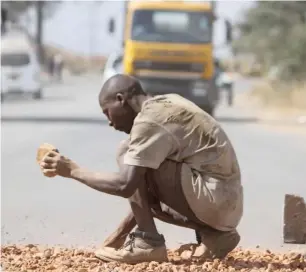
pixel 38 258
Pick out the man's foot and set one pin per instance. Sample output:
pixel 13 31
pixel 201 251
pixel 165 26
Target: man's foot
pixel 217 244
pixel 141 247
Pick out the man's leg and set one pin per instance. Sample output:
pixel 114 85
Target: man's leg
pixel 139 201
pixel 166 185
pixel 167 178
pixel 144 206
pixel 145 244
pixel 168 204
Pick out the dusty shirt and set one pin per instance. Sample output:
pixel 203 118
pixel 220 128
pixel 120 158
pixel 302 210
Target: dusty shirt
pixel 171 127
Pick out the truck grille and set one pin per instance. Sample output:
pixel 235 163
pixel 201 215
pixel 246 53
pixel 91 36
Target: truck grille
pixel 166 66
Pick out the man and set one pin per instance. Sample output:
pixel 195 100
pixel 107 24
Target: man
pixel 177 165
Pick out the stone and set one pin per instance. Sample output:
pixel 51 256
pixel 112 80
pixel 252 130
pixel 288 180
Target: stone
pixel 19 258
pixel 294 231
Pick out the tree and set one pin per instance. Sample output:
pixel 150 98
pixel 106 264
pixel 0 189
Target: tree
pixel 44 10
pixel 275 32
pixel 18 8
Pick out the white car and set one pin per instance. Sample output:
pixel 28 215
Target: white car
pixel 20 68
pixel 113 66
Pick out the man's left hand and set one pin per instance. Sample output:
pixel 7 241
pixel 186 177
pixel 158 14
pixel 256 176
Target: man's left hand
pixel 55 162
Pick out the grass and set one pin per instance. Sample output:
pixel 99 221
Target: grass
pixel 285 96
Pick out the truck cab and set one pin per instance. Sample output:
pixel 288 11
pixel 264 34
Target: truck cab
pixel 168 46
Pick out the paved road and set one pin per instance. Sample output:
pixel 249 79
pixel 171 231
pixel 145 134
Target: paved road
pixel 36 209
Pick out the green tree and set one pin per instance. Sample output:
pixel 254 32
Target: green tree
pixel 275 32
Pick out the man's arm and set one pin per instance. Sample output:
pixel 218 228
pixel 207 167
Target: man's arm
pixel 123 183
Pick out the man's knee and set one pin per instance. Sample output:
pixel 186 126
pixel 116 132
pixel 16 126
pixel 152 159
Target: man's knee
pixel 122 149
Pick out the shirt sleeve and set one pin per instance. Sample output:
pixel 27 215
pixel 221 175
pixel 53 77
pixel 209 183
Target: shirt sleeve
pixel 150 144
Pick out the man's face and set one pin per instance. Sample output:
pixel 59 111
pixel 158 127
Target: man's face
pixel 120 115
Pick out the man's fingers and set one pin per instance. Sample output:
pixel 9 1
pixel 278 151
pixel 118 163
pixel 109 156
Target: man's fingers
pixel 52 154
pixel 48 159
pixel 49 173
pixel 45 165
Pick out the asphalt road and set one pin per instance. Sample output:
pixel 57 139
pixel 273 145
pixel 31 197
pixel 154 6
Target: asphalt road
pixel 36 209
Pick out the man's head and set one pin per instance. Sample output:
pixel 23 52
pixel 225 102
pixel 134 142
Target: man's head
pixel 120 98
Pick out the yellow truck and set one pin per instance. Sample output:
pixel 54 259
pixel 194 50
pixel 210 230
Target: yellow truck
pixel 168 46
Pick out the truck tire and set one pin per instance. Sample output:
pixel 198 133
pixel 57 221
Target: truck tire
pixel 37 95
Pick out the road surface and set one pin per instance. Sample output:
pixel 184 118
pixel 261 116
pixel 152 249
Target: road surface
pixel 36 209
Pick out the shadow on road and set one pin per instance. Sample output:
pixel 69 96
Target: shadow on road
pixel 98 121
pixel 45 99
pixel 93 120
pixel 101 121
pixel 247 120
pixel 53 119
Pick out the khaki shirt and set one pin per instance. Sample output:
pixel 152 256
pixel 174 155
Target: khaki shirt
pixel 171 127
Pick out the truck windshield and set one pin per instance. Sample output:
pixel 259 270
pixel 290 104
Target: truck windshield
pixel 14 59
pixel 171 26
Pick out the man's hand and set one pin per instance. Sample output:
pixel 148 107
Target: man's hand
pixel 118 237
pixel 55 162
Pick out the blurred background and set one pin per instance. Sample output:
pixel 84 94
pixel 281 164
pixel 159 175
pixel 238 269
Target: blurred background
pixel 243 62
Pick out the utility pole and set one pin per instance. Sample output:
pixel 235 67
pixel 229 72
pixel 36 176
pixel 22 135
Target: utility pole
pixel 4 18
pixel 39 30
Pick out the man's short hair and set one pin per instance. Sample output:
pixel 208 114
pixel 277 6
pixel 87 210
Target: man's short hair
pixel 120 83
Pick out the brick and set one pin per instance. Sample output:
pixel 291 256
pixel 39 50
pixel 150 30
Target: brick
pixel 294 231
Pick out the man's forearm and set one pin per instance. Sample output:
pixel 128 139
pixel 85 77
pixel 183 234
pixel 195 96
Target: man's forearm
pixel 110 183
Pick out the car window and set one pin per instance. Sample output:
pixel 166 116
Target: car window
pixel 14 59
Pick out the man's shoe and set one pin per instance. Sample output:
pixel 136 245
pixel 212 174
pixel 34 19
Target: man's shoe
pixel 141 247
pixel 217 244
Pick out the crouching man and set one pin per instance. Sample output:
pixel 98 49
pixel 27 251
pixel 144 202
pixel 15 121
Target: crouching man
pixel 178 165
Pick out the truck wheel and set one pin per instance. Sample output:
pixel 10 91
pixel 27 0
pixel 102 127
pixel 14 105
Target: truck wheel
pixel 37 95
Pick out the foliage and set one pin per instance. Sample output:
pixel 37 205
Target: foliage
pixel 275 32
pixel 18 8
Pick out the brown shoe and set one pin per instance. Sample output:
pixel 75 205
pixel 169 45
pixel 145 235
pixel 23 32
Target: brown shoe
pixel 217 244
pixel 141 247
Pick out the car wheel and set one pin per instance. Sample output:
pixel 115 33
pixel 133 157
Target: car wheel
pixel 37 95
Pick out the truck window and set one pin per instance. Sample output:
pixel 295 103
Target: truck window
pixel 171 26
pixel 10 59
pixel 178 21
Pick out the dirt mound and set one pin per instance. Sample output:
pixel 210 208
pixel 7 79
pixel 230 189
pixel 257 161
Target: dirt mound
pixel 36 258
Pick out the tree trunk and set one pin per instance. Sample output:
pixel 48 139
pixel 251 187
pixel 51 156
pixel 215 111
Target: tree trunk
pixel 39 29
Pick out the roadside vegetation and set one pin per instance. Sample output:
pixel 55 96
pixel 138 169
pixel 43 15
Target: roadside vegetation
pixel 16 11
pixel 274 34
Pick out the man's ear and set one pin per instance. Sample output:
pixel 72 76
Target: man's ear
pixel 120 97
